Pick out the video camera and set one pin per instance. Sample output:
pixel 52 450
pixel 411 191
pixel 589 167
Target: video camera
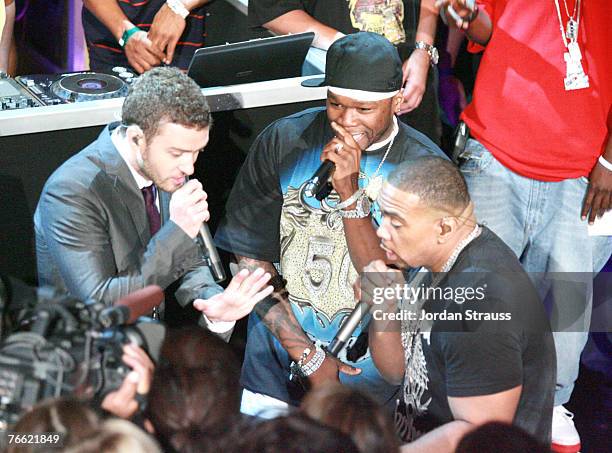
pixel 63 346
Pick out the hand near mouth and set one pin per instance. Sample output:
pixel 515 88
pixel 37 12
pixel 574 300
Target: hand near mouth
pixel 345 153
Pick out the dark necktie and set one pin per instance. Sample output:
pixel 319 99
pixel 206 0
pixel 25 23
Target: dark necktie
pixel 152 213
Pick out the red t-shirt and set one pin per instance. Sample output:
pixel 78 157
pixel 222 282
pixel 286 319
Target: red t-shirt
pixel 520 109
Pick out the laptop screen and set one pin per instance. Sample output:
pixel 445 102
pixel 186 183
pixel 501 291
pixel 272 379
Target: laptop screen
pixel 279 57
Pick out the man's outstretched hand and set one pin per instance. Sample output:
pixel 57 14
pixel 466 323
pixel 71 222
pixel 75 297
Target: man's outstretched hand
pixel 244 291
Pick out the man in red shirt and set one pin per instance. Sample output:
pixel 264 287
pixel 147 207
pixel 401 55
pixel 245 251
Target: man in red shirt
pixel 539 161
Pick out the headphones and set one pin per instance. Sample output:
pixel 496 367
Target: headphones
pixel 138 134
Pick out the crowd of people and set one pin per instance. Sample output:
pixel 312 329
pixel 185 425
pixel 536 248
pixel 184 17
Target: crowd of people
pixel 193 406
pixel 457 256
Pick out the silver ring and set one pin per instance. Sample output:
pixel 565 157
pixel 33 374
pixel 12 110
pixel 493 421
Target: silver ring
pixel 454 14
pixel 338 148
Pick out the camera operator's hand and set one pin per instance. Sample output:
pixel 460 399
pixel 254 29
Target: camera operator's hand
pixel 239 298
pixel 188 207
pixel 123 402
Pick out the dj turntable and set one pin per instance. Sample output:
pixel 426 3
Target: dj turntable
pixel 78 86
pixel 88 87
pixel 44 89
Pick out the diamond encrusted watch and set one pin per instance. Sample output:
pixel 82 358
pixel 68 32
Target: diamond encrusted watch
pixel 364 205
pixel 431 51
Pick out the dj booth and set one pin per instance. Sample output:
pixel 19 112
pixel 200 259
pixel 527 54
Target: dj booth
pixel 46 119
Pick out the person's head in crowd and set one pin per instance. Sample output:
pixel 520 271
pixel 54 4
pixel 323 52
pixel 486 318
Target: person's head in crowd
pixel 355 414
pixel 499 438
pixel 295 433
pixel 195 393
pixel 166 119
pixel 193 347
pixel 426 211
pixel 116 436
pixel 71 418
pixel 363 75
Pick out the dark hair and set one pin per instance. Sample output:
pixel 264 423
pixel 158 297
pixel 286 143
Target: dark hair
pixel 195 393
pixel 436 181
pixel 116 436
pixel 498 437
pixel 355 414
pixel 295 433
pixel 74 419
pixel 161 95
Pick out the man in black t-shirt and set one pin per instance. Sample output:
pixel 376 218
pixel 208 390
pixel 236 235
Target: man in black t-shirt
pixel 468 336
pixel 405 23
pixel 318 245
pixel 142 34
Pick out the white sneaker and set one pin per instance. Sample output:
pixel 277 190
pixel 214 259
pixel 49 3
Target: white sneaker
pixel 565 438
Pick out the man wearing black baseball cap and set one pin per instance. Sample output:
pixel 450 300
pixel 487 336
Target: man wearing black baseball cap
pixel 318 246
pixel 347 63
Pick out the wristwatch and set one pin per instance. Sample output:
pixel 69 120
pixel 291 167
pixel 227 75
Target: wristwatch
pixel 431 51
pixel 364 205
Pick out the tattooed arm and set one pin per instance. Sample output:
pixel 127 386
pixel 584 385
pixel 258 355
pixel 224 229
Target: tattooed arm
pixel 276 313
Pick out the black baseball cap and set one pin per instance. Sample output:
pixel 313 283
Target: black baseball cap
pixel 363 61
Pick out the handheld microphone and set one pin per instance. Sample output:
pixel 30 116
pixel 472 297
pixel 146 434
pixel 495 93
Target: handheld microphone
pixel 214 262
pixel 212 256
pixel 129 308
pixel 347 329
pixel 319 179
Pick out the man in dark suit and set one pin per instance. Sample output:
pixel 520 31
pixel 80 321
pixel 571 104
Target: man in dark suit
pixel 119 216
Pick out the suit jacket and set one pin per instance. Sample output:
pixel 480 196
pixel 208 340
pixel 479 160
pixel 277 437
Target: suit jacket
pixel 93 239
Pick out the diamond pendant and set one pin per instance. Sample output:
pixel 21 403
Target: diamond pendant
pixel 575 77
pixel 374 187
pixel 571 30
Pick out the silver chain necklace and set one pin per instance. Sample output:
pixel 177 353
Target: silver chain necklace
pixel 376 181
pixel 571 30
pixel 450 262
pixel 575 77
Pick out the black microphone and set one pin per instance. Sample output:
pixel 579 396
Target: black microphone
pixel 316 184
pixel 129 308
pixel 347 329
pixel 214 262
